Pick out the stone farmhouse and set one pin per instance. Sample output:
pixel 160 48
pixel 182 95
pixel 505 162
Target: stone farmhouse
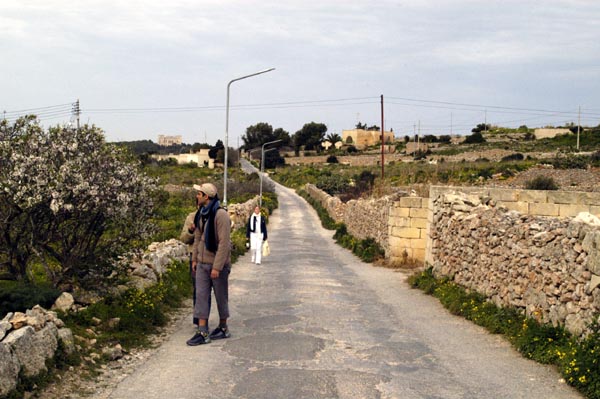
pixel 362 139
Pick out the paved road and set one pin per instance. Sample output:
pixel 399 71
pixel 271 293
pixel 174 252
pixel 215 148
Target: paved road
pixel 314 322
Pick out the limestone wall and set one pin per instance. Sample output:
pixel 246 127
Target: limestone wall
pixel 547 266
pixel 407 226
pixel 398 223
pixel 521 248
pixel 363 160
pixel 559 204
pixel 27 341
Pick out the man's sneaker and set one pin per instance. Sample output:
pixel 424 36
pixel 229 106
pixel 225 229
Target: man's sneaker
pixel 220 333
pixel 201 337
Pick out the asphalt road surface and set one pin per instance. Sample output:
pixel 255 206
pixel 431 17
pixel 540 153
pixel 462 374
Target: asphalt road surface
pixel 313 321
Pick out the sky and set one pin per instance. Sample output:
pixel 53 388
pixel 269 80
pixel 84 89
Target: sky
pixel 144 68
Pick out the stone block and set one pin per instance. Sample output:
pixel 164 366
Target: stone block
pixel 418 244
pixel 397 211
pixel 519 206
pixel 397 242
pixel 592 198
pixel 540 196
pixel 568 210
pixel 504 194
pixel 399 222
pixel 64 302
pixel 591 244
pixel 412 202
pixel 544 209
pixel 418 254
pixel 419 213
pixel 566 197
pixel 419 223
pixel 9 370
pixel 406 232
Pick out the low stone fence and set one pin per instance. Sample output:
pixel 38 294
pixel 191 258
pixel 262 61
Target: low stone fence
pixel 549 267
pixel 398 223
pixel 27 341
pixel 240 213
pixel 519 248
pixel 363 160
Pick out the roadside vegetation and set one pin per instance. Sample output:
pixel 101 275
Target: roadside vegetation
pixel 76 206
pixel 367 250
pixel 577 360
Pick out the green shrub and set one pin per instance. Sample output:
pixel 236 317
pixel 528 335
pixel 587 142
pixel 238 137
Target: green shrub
pixel 570 161
pixel 18 297
pixel 367 250
pixel 541 183
pixel 326 220
pixel 333 184
pixel 140 311
pixel 513 157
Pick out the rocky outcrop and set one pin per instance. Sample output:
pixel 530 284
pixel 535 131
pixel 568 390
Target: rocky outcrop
pixel 546 266
pixel 27 341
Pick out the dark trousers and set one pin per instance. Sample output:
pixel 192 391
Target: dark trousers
pixel 204 286
pixel 194 319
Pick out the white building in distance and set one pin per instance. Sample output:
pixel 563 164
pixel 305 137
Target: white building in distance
pixel 201 158
pixel 166 141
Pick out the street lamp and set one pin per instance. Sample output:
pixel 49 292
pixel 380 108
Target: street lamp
pixel 262 167
pixel 227 130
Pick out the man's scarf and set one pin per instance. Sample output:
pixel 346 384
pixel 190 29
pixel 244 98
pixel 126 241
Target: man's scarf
pixel 208 215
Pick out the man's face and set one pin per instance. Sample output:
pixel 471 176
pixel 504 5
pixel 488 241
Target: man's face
pixel 257 210
pixel 202 198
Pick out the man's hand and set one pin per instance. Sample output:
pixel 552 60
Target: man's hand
pixel 191 228
pixel 214 274
pixel 194 267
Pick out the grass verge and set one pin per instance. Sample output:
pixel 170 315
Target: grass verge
pixel 576 359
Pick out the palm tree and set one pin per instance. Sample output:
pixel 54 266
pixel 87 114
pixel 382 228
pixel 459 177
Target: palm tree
pixel 333 138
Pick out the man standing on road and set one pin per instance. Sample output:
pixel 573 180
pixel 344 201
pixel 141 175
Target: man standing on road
pixel 256 232
pixel 211 263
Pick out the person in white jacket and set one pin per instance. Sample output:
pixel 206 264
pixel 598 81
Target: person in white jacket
pixel 256 232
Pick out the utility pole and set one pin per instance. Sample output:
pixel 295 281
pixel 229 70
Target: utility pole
pixel 578 126
pixel 419 137
pixel 450 123
pixel 382 139
pixel 76 111
pixel 485 121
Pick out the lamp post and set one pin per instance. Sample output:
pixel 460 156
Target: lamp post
pixel 227 129
pixel 262 167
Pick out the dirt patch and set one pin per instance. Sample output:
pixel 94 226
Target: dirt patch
pixel 567 179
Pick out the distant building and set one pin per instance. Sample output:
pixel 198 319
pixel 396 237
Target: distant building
pixel 361 138
pixel 548 133
pixel 413 146
pixel 166 141
pixel 201 158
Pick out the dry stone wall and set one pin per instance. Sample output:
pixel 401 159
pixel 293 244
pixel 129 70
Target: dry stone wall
pixel 398 223
pixel 27 341
pixel 546 266
pixel 538 251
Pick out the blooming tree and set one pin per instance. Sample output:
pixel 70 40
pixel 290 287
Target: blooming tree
pixel 68 201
